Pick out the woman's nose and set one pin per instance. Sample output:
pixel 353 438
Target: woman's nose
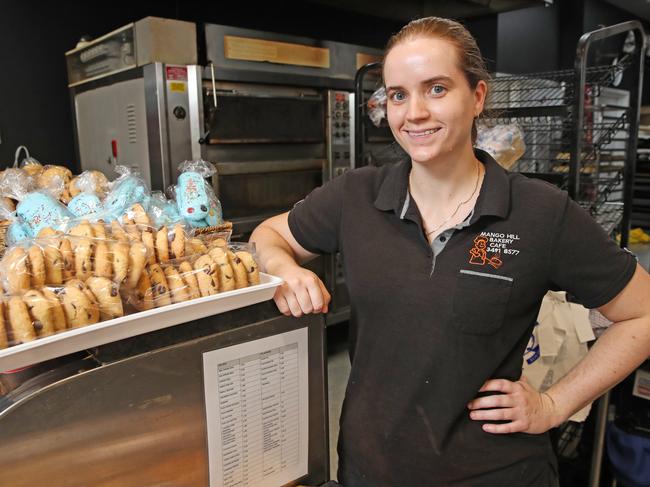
pixel 417 109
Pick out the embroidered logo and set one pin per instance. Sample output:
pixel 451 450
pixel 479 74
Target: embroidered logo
pixel 478 253
pixel 490 247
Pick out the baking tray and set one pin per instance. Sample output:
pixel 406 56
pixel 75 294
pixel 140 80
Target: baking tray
pixel 78 339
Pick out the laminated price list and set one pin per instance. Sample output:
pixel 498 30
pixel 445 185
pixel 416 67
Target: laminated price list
pixel 260 421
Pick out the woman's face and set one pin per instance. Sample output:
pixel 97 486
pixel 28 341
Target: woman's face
pixel 430 105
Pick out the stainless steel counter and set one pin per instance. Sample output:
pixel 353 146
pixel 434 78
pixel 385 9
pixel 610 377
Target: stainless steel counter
pixel 132 412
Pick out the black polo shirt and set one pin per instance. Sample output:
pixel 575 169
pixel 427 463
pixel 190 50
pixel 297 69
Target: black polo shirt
pixel 431 323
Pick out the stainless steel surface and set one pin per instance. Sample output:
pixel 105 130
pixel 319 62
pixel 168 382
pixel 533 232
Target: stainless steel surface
pixel 339 74
pixel 177 105
pixel 195 100
pixel 116 112
pixel 599 441
pixel 143 42
pixel 339 127
pixel 584 44
pixel 353 123
pixel 158 136
pixel 167 41
pixel 139 419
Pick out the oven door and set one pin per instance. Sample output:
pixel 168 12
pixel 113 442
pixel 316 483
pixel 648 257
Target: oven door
pixel 269 145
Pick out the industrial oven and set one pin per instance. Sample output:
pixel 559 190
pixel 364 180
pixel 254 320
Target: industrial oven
pixel 274 113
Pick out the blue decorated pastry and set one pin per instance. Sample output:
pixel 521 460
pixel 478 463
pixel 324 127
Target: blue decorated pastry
pixel 15 233
pixel 38 210
pixel 191 196
pixel 215 215
pixel 124 195
pixel 84 204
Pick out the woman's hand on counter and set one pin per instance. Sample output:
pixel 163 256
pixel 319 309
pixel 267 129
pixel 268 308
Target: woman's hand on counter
pixel 520 406
pixel 302 292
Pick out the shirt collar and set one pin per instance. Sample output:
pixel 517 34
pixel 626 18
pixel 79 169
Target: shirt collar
pixel 493 199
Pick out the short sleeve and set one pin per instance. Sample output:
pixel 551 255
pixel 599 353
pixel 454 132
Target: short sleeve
pixel 585 261
pixel 315 221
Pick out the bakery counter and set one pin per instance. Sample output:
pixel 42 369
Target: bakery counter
pixel 138 411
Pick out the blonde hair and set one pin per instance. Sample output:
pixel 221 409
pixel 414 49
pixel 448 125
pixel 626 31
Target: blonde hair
pixel 469 55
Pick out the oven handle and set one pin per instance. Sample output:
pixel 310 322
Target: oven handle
pixel 257 167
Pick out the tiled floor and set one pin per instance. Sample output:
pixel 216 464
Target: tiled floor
pixel 338 370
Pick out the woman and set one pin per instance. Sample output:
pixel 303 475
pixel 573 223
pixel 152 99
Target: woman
pixel 447 259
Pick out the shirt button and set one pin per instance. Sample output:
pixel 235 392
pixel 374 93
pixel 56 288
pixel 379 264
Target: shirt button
pixel 443 239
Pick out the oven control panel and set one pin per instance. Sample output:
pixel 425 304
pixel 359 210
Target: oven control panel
pixel 339 133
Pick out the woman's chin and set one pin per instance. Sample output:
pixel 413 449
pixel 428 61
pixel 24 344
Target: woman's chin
pixel 424 157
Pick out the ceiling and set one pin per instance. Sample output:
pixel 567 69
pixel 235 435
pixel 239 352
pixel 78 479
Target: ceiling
pixel 405 10
pixel 640 8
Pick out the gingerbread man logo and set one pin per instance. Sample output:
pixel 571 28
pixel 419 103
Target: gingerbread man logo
pixel 478 253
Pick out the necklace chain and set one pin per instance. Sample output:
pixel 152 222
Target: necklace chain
pixel 478 176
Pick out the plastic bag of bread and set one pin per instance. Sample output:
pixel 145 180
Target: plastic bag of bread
pixel 245 252
pixel 55 180
pixel 216 270
pixel 505 142
pixel 45 310
pixel 16 183
pixel 163 244
pixel 92 182
pixel 196 200
pixel 127 190
pixel 28 164
pixel 86 250
pixel 87 192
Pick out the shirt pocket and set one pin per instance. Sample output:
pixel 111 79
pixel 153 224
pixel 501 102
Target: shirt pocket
pixel 480 302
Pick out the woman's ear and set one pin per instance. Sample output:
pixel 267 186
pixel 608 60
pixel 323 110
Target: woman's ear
pixel 480 93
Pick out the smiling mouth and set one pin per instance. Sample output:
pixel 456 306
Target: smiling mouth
pixel 422 133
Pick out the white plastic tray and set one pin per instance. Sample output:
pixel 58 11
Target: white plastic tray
pixel 70 341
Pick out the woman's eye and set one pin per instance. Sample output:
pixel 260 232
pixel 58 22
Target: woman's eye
pixel 398 96
pixel 438 90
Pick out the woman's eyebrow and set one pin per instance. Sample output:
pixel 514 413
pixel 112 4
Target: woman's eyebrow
pixel 429 81
pixel 438 79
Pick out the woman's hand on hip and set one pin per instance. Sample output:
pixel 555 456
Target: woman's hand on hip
pixel 301 293
pixel 521 407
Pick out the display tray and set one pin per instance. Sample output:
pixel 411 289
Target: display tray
pixel 78 339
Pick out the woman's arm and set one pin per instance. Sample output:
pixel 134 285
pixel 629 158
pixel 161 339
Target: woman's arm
pixel 280 254
pixel 620 350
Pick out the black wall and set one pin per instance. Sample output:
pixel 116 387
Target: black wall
pixel 484 29
pixel 528 40
pixel 34 101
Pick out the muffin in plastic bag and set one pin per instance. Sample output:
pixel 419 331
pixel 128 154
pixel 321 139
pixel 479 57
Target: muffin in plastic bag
pixel 16 184
pixel 91 182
